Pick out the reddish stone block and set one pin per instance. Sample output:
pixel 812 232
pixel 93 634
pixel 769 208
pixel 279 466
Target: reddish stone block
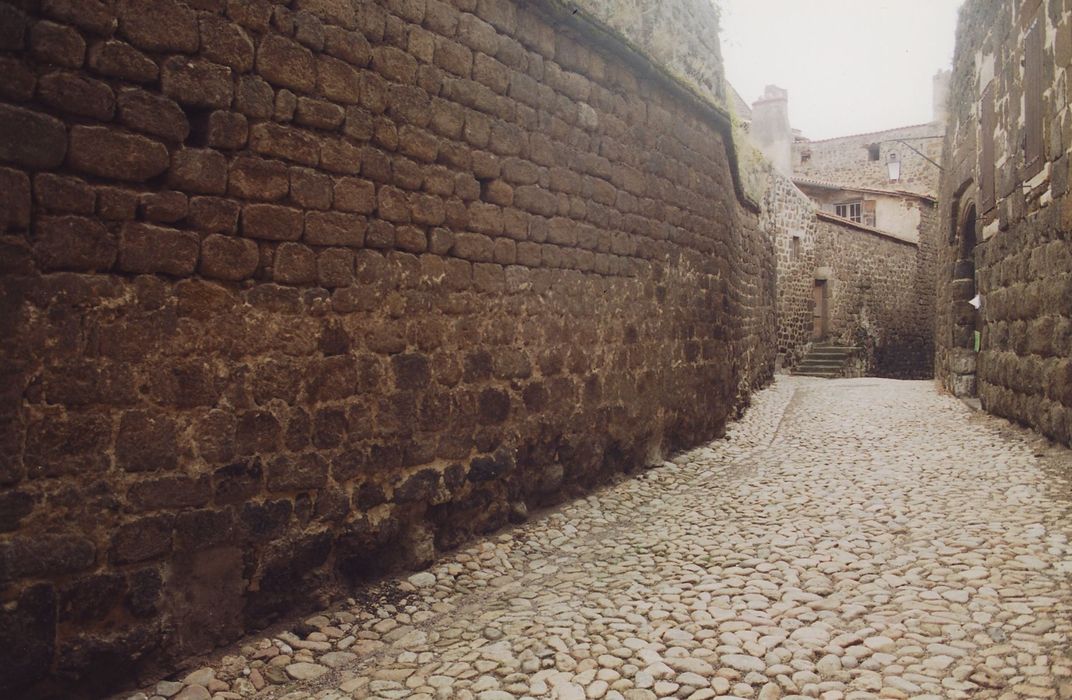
pixel 393 204
pixel 335 228
pixel 198 170
pixel 197 82
pixel 165 207
pixel 340 12
pixel 147 441
pixel 71 443
pixel 440 241
pixel 335 268
pixel 227 130
pixel 380 234
pixel 159 25
pixel 318 114
pixel 427 209
pixel 116 204
pixel 226 43
pixel 19 79
pixel 143 539
pixel 258 179
pixel 46 555
pixel 297 473
pixel 13 23
pixel 351 47
pixel 73 243
pixel 338 80
pixel 169 492
pixel 394 64
pixel 254 97
pixel 411 239
pixel 310 189
pixel 286 63
pixel 214 214
pixel 473 246
pixel 340 156
pixel 66 194
pixel 285 142
pixel 118 59
pixel 146 248
pixel 77 94
pixel 57 44
pixel 418 144
pixel 228 258
pixel 14 199
pixel 272 222
pixel 152 114
pixel 92 15
pixel 286 103
pixel 308 30
pixel 109 153
pixel 355 195
pixel 294 264
pixel 31 139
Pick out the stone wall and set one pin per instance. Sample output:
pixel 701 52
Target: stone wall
pixel 1014 250
pixel 876 301
pixel 295 293
pixel 789 217
pixel 847 160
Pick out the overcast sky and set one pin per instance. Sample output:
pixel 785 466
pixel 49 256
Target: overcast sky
pixel 850 66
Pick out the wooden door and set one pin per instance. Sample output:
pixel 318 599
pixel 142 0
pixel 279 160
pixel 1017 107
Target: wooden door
pixel 819 323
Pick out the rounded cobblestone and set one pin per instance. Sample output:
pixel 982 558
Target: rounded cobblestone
pixel 847 539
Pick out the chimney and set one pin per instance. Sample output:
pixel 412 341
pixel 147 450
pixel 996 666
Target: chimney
pixel 771 132
pixel 941 82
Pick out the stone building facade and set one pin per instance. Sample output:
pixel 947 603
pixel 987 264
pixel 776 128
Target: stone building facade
pixel 875 296
pixel 299 292
pixel 1006 215
pixel 854 265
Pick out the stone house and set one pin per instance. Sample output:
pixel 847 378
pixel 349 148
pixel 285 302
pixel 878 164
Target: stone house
pixel 855 269
pixel 1004 233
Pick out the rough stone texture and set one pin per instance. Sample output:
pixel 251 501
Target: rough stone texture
pixel 790 218
pixel 1022 263
pixel 800 557
pixel 254 351
pixel 846 161
pixel 876 298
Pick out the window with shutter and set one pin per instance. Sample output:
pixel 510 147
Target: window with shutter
pixel 986 149
pixel 1033 50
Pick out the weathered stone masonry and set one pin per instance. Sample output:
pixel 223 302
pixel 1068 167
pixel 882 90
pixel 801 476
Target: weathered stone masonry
pixel 298 290
pixel 1007 214
pixel 877 298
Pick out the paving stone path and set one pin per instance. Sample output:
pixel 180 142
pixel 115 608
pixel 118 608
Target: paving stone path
pixel 849 539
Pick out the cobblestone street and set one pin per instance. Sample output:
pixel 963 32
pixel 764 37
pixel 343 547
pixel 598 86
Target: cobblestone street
pixel 849 539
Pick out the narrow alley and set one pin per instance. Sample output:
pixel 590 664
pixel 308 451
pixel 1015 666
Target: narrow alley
pixel 856 538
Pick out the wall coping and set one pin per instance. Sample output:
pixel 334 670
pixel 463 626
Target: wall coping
pixel 571 15
pixel 826 185
pixel 834 219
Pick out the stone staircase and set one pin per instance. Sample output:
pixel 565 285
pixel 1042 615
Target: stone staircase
pixel 825 360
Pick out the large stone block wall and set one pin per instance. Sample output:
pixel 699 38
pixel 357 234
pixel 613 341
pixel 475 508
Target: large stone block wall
pixel 295 293
pixel 1022 263
pixel 790 218
pixel 875 302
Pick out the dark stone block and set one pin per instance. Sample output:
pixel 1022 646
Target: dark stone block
pixel 27 629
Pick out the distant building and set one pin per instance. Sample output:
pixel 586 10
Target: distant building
pixel 847 223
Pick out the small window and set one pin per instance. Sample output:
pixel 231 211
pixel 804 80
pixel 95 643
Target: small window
pixel 853 211
pixel 805 156
pixel 873 152
pixel 794 252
